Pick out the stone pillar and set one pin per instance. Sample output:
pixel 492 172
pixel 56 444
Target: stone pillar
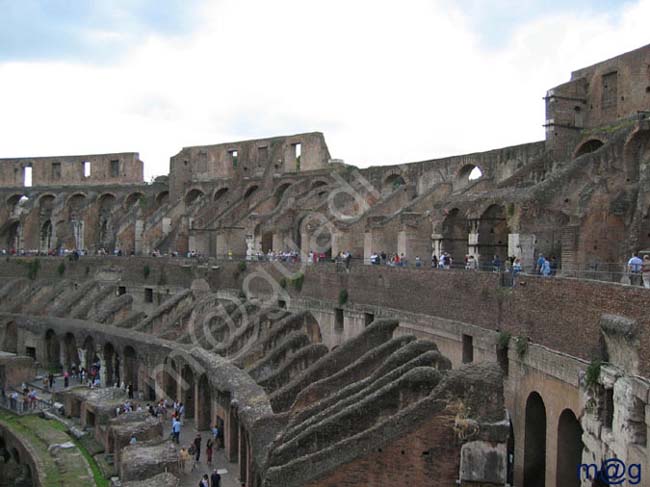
pixel 472 240
pixel 402 245
pixel 222 245
pixel 436 245
pixel 523 247
pixel 278 241
pixel 137 238
pixel 367 247
pixel 103 376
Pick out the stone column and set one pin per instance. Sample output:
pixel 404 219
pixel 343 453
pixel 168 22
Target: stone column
pixel 137 238
pixel 472 239
pixel 436 245
pixel 367 247
pixel 523 247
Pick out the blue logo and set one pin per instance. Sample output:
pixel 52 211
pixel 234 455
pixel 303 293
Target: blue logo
pixel 611 472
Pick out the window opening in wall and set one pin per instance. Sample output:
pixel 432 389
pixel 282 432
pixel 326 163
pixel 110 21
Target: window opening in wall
pixel 475 173
pixel 121 290
pixel 282 304
pixel 338 320
pixel 502 359
pixel 148 295
pixel 297 153
pixel 368 318
pixel 115 168
pixel 234 157
pixel 30 352
pixel 56 170
pixel 468 349
pixel 27 176
pixel 86 169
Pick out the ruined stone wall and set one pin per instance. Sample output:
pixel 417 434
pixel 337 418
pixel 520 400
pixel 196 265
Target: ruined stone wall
pixel 117 168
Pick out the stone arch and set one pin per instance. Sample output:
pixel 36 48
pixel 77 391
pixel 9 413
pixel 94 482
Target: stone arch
pixel 16 199
pixel 493 234
pixel 52 350
pixel 193 195
pixel 467 174
pixel 319 183
pixel 46 201
pixel 76 201
pixel 170 383
pixel 535 442
pixel 162 198
pixel 132 200
pixel 130 367
pixel 569 449
pixel 187 385
pixel 590 145
pixel 220 193
pixel 90 353
pixel 636 152
pixel 312 328
pixel 111 364
pixel 106 201
pixel 70 352
pixel 10 338
pixel 455 235
pixel 250 190
pixel 47 236
pixel 204 405
pixel 392 182
pixel 280 191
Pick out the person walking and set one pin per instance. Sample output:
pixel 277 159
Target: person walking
pixel 176 430
pixel 215 479
pixel 197 446
pixel 645 271
pixel 634 267
pixel 204 481
pixel 208 450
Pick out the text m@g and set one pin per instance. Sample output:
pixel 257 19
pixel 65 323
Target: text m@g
pixel 611 472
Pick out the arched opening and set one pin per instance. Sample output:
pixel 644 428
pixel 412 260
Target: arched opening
pixel 249 192
pixel 493 234
pixel 591 145
pixel 569 449
pixel 90 353
pixel 279 193
pixel 193 196
pixel 47 231
pixel 10 340
pixel 535 442
pixel 170 384
pixel 70 352
pixel 46 202
pixel 318 184
pixel 312 328
pixel 219 194
pixel 187 383
pixel 455 235
pixel 392 183
pixel 635 154
pixel 52 350
pixel 204 405
pixel 132 200
pixel 17 202
pixel 267 242
pixel 76 204
pixel 468 174
pixel 112 364
pixel 105 229
pixel 162 198
pixel 130 367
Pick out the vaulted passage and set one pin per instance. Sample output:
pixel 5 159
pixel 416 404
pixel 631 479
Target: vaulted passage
pixel 535 442
pixel 493 235
pixel 188 391
pixel 52 350
pixel 569 449
pixel 454 235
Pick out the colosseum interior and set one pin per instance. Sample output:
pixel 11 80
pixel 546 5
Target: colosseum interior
pixel 226 286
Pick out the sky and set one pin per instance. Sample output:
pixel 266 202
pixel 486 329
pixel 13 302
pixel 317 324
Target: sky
pixel 387 82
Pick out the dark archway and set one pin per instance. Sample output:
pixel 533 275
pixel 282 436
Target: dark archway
pixel 279 193
pixel 493 234
pixel 203 419
pixel 249 192
pixel 112 364
pixel 13 236
pixel 47 242
pixel 70 352
pixel 132 200
pixel 162 198
pixel 52 350
pixel 467 174
pixel 187 383
pixel 312 328
pixel 193 196
pixel 635 153
pixel 10 340
pixel 569 449
pixel 455 235
pixel 588 146
pixel 219 194
pixel 170 383
pixel 267 242
pixel 90 353
pixel 130 367
pixel 535 442
pixel 392 183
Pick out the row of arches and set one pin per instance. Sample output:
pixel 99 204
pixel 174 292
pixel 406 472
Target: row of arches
pixel 78 200
pixel 568 449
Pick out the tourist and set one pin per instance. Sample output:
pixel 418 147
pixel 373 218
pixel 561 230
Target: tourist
pixel 546 268
pixel 540 264
pixel 133 440
pixel 197 446
pixel 215 479
pixel 516 267
pixel 66 379
pixel 50 380
pixel 496 263
pixel 634 267
pixel 184 459
pixel 434 261
pixel 204 481
pixel 176 430
pixel 645 271
pixel 208 451
pixel 130 391
pixel 418 262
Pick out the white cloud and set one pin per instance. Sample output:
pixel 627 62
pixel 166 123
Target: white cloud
pixel 387 82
